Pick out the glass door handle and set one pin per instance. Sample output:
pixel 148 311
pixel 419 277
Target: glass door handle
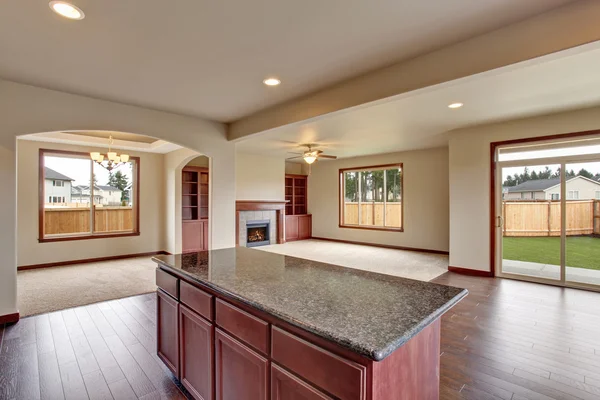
pixel 499 221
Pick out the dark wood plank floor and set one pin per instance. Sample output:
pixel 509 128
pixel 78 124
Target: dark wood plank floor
pixel 100 351
pixel 516 340
pixel 507 340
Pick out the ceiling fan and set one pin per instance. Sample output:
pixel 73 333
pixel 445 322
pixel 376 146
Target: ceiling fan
pixel 310 155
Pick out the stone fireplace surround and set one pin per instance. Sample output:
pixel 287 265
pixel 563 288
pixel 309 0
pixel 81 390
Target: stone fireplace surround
pixel 252 210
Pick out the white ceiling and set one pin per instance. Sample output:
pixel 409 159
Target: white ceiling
pixel 208 58
pixel 421 119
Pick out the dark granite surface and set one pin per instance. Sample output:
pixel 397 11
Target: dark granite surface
pixel 371 314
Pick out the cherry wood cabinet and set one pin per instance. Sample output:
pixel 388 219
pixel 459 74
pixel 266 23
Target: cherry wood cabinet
pixel 194 212
pixel 298 227
pixel 241 372
pixel 285 386
pixel 298 223
pixel 196 353
pixel 168 330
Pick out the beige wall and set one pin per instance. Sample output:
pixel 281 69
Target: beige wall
pixel 30 251
pixel 27 109
pixel 425 200
pixel 200 161
pixel 296 168
pixel 470 177
pixel 259 177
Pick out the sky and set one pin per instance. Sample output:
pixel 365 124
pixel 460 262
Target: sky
pixel 79 169
pixel 593 167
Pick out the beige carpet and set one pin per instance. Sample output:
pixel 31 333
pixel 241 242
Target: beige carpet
pixel 50 289
pixel 403 263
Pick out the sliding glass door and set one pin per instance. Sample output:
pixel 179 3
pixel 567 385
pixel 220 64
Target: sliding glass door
pixel 548 214
pixel 530 221
pixel 582 247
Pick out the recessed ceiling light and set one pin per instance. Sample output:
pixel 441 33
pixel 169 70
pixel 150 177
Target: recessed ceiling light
pixel 271 81
pixel 66 10
pixel 455 105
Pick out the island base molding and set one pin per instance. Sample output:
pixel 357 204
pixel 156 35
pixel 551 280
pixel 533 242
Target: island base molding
pixel 221 348
pixel 9 318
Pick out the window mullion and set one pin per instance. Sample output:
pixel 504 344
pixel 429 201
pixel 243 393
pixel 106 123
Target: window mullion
pixel 359 196
pixel 384 196
pixel 92 198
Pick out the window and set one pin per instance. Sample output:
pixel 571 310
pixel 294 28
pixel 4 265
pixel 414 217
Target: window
pixel 555 196
pixel 77 207
pixel 573 195
pixel 371 197
pixel 597 194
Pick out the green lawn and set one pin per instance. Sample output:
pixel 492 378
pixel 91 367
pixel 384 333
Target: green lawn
pixel 582 252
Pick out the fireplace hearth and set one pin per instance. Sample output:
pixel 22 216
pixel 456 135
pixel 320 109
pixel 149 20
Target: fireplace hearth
pixel 257 233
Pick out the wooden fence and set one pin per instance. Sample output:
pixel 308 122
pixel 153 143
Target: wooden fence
pixel 543 218
pixel 371 213
pixel 60 221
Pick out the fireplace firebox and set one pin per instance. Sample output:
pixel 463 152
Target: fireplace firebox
pixel 257 233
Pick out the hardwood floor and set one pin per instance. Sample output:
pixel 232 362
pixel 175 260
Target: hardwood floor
pixel 516 340
pixel 507 340
pixel 101 351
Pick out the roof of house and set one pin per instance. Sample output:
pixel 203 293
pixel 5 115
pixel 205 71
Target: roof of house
pixel 79 188
pixel 55 176
pixel 110 188
pixel 535 185
pixel 540 185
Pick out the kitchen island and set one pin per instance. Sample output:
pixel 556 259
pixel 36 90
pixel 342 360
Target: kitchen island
pixel 242 323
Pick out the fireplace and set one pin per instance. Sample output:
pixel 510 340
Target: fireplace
pixel 257 233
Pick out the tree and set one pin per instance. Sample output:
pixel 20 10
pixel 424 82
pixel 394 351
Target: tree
pixel 585 173
pixel 534 176
pixel 120 181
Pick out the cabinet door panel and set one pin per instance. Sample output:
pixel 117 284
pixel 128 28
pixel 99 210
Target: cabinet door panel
pixel 167 325
pixel 196 353
pixel 285 386
pixel 241 373
pixel 192 236
pixel 304 227
pixel 291 227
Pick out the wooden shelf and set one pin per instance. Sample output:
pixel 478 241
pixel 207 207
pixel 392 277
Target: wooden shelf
pixel 195 208
pixel 296 194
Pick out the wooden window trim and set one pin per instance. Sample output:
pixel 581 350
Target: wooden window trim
pixel 41 213
pixel 341 223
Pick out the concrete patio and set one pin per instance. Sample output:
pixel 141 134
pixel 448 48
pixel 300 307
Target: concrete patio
pixel 548 271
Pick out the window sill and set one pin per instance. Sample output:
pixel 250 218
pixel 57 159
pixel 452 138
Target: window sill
pixel 86 237
pixel 372 228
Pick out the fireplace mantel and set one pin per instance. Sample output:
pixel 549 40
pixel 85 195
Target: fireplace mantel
pixel 260 205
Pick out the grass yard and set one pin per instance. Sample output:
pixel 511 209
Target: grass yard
pixel 582 251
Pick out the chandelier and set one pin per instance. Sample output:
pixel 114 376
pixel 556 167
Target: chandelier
pixel 112 160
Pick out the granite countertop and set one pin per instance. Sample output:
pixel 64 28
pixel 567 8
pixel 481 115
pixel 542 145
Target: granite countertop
pixel 368 313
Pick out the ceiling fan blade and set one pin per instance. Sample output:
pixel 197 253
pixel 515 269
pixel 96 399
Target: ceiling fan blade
pixel 293 158
pixel 326 156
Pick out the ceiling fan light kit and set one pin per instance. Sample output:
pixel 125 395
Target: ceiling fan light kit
pixel 310 156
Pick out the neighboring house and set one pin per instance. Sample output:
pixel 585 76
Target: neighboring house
pixel 578 188
pixel 103 195
pixel 57 188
